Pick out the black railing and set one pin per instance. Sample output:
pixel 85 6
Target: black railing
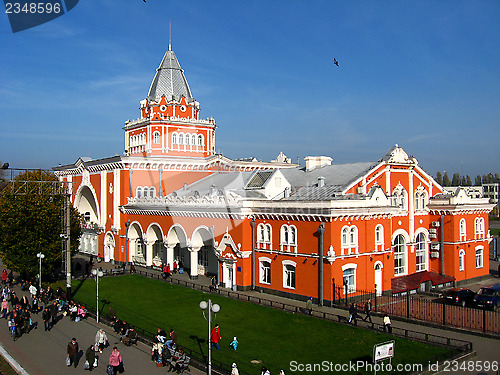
pixel 417 307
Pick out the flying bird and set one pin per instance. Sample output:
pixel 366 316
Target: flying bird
pixel 335 61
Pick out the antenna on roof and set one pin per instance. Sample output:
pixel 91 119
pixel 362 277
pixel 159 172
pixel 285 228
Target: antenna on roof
pixel 170 36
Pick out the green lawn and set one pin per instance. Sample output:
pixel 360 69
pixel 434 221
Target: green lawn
pixel 274 337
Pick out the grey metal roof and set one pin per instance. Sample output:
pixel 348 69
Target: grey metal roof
pixel 169 80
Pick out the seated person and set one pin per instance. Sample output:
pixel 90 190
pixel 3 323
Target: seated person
pixel 82 312
pixel 156 350
pixel 162 335
pixel 124 330
pixel 131 337
pixel 181 361
pixel 72 310
pixel 117 325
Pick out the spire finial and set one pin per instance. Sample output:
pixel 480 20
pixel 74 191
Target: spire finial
pixel 170 36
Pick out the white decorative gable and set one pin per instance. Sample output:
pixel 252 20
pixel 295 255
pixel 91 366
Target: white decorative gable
pixel 397 155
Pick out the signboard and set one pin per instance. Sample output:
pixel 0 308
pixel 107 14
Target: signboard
pixel 383 351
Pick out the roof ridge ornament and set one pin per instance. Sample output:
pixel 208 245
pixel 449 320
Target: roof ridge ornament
pixel 170 36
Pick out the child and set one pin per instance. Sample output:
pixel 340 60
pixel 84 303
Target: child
pixel 234 343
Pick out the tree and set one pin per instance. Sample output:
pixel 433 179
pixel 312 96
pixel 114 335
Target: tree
pixel 31 223
pixel 446 180
pixel 439 178
pixel 456 180
pixel 478 181
pixel 468 181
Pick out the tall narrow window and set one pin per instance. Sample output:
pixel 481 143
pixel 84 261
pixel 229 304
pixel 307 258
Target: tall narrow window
pixel 461 260
pixel 349 277
pixel 463 230
pixel 399 255
pixel 156 138
pixel 421 253
pixel 379 238
pixel 479 257
pixel 289 276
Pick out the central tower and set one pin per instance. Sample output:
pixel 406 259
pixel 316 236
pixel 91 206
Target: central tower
pixel 169 122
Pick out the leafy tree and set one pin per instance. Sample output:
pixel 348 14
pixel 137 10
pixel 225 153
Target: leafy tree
pixel 456 180
pixel 3 177
pixel 446 180
pixel 478 181
pixel 439 178
pixel 468 181
pixel 30 222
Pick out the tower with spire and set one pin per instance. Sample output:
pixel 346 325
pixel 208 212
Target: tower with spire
pixel 170 123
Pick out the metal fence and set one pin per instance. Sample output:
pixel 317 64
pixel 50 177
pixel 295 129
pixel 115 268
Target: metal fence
pixel 415 306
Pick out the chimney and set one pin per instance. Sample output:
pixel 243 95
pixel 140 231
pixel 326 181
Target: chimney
pixel 313 162
pixel 321 181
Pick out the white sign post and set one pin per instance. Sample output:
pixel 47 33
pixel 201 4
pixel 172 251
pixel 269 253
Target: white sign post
pixel 383 351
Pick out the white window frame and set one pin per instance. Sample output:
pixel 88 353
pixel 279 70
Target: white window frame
pixel 479 257
pixel 463 230
pixel 262 273
pixel 379 242
pixel 288 238
pixel 139 192
pixel 264 236
pixel 461 260
pixel 156 138
pixel 400 256
pixel 351 268
pixel 287 272
pixel 349 239
pixel 421 251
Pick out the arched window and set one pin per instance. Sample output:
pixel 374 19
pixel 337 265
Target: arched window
pixel 138 192
pixel 200 140
pixel 193 140
pixel 379 237
pixel 399 255
pixel 152 192
pixel 288 241
pixel 143 138
pixel 421 252
pixel 174 138
pixel 479 227
pixel 345 237
pixel 349 279
pixel 461 260
pixel 463 230
pixel 187 139
pixel 350 239
pixel 264 236
pixel 181 139
pixel 156 138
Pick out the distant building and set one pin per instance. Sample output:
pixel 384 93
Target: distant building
pixel 491 191
pixel 273 226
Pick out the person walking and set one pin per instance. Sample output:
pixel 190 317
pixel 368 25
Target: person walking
pixel 46 318
pixel 72 351
pixel 234 369
pixel 215 337
pixel 353 314
pixel 53 314
pixel 101 340
pixel 90 357
pixel 309 306
pixel 368 311
pixel 115 361
pixel 387 323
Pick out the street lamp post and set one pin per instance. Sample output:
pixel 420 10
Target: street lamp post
pixel 127 226
pixel 97 274
pixel 40 256
pixel 215 308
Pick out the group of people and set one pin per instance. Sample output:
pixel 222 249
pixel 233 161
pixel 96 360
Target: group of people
pixel 115 364
pixel 165 352
pixel 166 271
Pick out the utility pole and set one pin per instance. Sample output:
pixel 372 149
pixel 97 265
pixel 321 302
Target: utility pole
pixel 67 206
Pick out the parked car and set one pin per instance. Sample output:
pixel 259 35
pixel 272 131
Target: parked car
pixel 489 297
pixel 459 296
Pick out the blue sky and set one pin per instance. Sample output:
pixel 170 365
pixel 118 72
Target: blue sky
pixel 422 74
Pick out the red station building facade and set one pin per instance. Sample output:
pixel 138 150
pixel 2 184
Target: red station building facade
pixel 273 226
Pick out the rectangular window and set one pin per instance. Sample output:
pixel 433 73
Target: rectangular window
pixel 289 276
pixel 265 272
pixel 349 276
pixel 479 258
